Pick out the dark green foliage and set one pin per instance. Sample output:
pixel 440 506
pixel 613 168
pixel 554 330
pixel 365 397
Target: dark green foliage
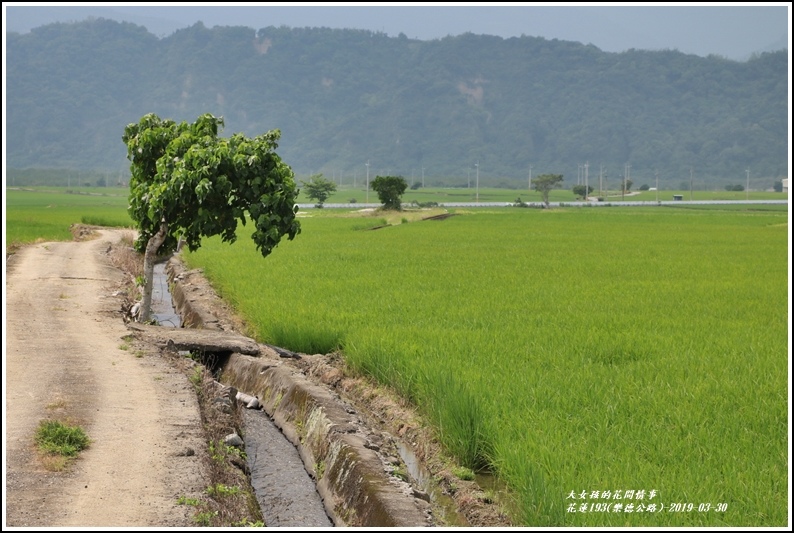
pixel 390 189
pixel 341 97
pixel 581 190
pixel 644 187
pixel 778 186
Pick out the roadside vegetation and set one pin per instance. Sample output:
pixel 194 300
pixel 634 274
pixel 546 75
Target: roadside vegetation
pixel 229 499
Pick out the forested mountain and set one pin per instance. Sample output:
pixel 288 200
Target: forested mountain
pixel 345 97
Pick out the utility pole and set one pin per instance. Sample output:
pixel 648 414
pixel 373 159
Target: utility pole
pixel 600 181
pixel 747 187
pixel 530 178
pixel 628 175
pixel 367 180
pixel 657 186
pixel 477 166
pixel 690 184
pixel 606 187
pixel 586 190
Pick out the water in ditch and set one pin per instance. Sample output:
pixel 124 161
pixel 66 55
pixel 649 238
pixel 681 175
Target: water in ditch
pixel 286 493
pixel 162 306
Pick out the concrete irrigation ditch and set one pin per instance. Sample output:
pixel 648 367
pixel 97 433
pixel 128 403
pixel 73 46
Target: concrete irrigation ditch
pixel 361 475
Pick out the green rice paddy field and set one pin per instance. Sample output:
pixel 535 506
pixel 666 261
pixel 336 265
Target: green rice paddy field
pixel 47 213
pixel 573 351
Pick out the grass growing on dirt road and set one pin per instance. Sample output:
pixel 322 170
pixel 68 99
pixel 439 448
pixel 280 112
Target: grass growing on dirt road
pixel 59 442
pixel 574 351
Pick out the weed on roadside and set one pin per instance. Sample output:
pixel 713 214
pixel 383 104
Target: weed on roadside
pixel 59 443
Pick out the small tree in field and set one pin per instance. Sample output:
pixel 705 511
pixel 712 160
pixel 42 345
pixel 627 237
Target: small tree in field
pixel 318 188
pixel 389 189
pixel 545 183
pixel 188 183
pixel 628 183
pixel 582 190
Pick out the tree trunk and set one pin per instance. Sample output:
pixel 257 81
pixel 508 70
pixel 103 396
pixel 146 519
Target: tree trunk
pixel 149 259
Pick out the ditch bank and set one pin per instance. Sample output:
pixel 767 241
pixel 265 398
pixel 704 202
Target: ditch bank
pixel 359 473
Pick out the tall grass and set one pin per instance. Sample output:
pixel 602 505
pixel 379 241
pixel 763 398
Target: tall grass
pixel 571 350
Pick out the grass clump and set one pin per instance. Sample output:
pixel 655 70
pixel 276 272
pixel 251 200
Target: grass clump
pixel 466 474
pixel 56 438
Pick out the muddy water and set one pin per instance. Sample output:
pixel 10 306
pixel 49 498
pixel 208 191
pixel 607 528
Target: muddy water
pixel 285 491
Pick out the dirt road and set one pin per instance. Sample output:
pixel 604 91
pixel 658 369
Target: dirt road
pixel 64 357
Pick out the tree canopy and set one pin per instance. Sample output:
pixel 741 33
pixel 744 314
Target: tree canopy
pixel 318 188
pixel 189 183
pixel 582 190
pixel 545 183
pixel 389 189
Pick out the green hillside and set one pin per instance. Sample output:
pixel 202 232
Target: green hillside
pixel 345 97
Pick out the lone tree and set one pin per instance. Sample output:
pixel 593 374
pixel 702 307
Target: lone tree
pixel 389 189
pixel 318 188
pixel 187 183
pixel 582 191
pixel 545 183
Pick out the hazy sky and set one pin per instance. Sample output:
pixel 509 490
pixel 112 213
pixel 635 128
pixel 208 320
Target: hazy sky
pixel 730 30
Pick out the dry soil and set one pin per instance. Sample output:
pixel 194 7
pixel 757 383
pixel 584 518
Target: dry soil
pixel 65 358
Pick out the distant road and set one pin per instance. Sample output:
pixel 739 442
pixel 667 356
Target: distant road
pixel 617 203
